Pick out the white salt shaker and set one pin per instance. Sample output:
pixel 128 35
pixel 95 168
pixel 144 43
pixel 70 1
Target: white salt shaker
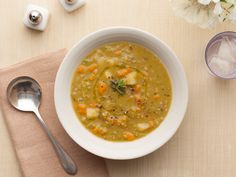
pixel 71 5
pixel 36 17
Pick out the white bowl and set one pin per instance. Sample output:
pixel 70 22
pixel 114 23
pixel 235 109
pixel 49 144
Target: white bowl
pixel 120 150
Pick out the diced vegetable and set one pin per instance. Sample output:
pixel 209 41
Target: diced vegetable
pixel 157 97
pixel 80 69
pixel 108 74
pixel 105 113
pixel 118 52
pixel 99 130
pixel 135 108
pixel 95 71
pixel 138 99
pixel 92 113
pixel 102 87
pixel 137 88
pixel 82 109
pixel 112 61
pixel 130 79
pixel 92 67
pixel 92 77
pixel 123 72
pixel 128 136
pixel 143 126
pixel 93 105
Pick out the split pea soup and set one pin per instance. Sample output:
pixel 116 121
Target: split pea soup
pixel 121 91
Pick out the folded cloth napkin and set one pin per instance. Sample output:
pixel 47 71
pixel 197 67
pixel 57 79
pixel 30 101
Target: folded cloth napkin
pixel 34 151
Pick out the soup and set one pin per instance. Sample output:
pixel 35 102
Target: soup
pixel 121 91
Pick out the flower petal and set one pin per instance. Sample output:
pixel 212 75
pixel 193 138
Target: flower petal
pixel 218 9
pixel 232 15
pixel 216 1
pixel 204 2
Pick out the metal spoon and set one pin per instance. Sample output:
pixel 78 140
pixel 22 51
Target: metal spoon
pixel 24 93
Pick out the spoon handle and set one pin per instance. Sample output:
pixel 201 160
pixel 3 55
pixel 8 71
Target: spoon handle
pixel 66 161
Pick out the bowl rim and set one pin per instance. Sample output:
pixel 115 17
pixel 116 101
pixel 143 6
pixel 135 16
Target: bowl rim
pixel 109 30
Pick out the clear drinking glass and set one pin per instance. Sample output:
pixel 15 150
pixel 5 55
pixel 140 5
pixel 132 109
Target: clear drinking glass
pixel 220 55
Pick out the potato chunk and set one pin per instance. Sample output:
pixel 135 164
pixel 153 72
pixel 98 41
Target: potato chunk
pixel 130 79
pixel 143 126
pixel 92 113
pixel 108 74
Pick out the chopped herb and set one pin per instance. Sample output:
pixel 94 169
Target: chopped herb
pixel 118 86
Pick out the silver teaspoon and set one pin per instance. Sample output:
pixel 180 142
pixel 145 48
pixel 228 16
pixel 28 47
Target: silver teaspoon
pixel 24 93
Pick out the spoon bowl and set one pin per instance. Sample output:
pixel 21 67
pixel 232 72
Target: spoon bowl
pixel 24 93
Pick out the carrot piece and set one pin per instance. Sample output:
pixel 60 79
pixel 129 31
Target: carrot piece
pixel 123 72
pixel 118 52
pixel 99 130
pixel 95 71
pixel 137 88
pixel 80 69
pixel 157 97
pixel 138 99
pixel 92 67
pixel 82 109
pixel 128 136
pixel 92 77
pixel 95 129
pixel 102 87
pixel 93 105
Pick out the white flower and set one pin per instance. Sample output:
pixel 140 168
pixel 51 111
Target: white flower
pixel 205 13
pixel 195 12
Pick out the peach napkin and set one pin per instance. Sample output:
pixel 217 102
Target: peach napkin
pixel 33 149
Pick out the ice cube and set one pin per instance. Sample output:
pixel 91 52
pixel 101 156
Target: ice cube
pixel 222 67
pixel 233 47
pixel 226 50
